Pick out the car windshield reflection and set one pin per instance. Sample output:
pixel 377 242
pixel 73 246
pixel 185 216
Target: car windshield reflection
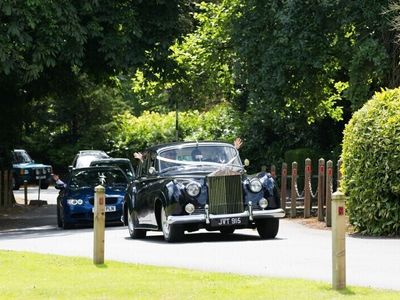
pixel 212 156
pixel 92 178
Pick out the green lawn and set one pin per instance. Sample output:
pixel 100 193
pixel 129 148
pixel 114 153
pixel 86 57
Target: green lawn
pixel 26 275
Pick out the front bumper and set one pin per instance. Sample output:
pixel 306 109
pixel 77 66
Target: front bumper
pixel 206 217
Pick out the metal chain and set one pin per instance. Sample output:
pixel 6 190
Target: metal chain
pixel 297 190
pixel 313 195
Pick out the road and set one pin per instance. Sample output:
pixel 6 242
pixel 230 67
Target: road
pixel 297 252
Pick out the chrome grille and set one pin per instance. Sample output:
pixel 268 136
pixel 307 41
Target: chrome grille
pixel 225 195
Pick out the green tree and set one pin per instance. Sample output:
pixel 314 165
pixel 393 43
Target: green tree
pixel 46 45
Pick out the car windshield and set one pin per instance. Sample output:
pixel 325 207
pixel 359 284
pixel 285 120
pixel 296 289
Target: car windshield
pixel 124 165
pixel 94 177
pixel 21 157
pixel 199 155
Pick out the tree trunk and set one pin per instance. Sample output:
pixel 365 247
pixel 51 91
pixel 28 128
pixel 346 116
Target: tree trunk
pixel 6 195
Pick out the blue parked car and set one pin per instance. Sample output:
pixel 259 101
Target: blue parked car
pixel 25 168
pixel 75 202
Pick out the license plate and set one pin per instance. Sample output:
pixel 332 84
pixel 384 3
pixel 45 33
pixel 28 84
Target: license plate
pixel 109 208
pixel 228 221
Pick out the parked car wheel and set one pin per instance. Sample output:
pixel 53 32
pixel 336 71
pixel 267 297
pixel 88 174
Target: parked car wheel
pixel 227 230
pixel 59 221
pixel 44 185
pixel 267 228
pixel 15 184
pixel 172 232
pixel 134 232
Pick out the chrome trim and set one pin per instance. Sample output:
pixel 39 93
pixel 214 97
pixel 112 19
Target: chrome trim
pixel 250 211
pixel 205 218
pixel 207 214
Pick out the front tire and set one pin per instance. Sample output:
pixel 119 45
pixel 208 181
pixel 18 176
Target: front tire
pixel 172 232
pixel 267 228
pixel 133 231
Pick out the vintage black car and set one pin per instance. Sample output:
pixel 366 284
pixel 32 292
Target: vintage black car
pixel 187 186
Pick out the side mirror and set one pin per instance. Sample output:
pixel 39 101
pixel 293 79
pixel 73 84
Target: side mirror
pixel 246 162
pixel 152 170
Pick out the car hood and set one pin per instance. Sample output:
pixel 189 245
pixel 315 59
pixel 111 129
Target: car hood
pixel 89 191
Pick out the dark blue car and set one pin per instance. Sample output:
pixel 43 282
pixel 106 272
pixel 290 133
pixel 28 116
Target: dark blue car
pixel 75 202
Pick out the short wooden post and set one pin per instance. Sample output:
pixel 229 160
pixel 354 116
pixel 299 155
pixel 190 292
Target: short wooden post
pixel 293 193
pixel 99 224
pixel 328 194
pixel 321 190
pixel 283 185
pixel 339 173
pixel 273 171
pixel 25 192
pixel 338 241
pixel 307 191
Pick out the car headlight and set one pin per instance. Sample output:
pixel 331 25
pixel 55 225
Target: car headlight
pixel 263 203
pixel 255 185
pixel 193 189
pixel 75 201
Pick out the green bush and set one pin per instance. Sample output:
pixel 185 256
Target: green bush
pixel 371 155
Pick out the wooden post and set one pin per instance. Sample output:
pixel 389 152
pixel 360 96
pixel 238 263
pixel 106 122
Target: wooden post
pixel 293 193
pixel 307 191
pixel 283 186
pixel 273 171
pixel 339 173
pixel 99 224
pixel 321 191
pixel 328 194
pixel 338 241
pixel 25 192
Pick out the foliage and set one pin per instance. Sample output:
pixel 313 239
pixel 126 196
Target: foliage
pixel 136 133
pixel 371 151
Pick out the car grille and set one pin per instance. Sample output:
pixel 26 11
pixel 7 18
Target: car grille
pixel 109 200
pixel 225 194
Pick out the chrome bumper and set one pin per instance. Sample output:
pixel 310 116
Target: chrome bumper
pixel 206 217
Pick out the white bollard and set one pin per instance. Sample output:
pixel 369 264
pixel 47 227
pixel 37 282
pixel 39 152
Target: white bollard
pixel 99 224
pixel 338 241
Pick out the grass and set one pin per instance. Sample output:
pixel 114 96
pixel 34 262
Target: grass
pixel 26 275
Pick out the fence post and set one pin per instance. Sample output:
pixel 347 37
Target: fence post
pixel 338 241
pixel 283 186
pixel 328 194
pixel 99 224
pixel 339 173
pixel 307 188
pixel 293 190
pixel 25 192
pixel 321 190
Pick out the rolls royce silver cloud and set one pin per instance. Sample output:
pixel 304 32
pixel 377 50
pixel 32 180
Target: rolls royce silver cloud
pixel 192 185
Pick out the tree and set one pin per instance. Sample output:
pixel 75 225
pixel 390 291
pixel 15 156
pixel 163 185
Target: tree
pixel 46 45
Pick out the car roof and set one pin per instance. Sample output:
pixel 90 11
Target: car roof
pixel 91 152
pixel 111 160
pixel 174 145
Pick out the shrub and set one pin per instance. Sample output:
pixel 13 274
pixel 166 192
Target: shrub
pixel 371 154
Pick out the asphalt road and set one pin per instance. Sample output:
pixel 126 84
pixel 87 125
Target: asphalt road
pixel 297 252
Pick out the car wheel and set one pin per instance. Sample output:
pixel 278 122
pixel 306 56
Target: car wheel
pixel 227 230
pixel 134 232
pixel 44 185
pixel 59 221
pixel 172 232
pixel 15 185
pixel 267 228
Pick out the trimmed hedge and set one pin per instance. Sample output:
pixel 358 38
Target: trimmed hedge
pixel 371 165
